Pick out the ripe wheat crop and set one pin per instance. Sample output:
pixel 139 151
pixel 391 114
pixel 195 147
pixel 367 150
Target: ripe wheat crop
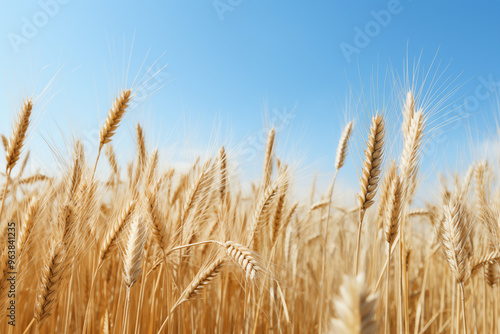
pixel 154 249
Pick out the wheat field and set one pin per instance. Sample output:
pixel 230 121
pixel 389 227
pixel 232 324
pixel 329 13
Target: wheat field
pixel 151 250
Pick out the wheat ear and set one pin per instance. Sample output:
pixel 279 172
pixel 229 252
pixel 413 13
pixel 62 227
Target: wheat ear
pixel 409 158
pixel 279 210
pixel 453 234
pixel 141 154
pixel 134 251
pixel 157 226
pixel 110 154
pixel 393 210
pixel 50 285
pixel 355 308
pixel 384 188
pixel 484 209
pixel 77 171
pixel 115 231
pixel 408 112
pixel 372 167
pixel 150 172
pixel 5 143
pixel 202 279
pixel 343 146
pixel 33 179
pixel 17 139
pixel 113 119
pixel 488 258
pixel 28 223
pixel 243 256
pixel 223 174
pixel 16 144
pixel 262 212
pixel 268 160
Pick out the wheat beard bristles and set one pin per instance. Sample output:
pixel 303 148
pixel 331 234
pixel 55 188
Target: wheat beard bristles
pixel 134 250
pixel 372 164
pixel 114 117
pixel 343 146
pixel 17 140
pixel 454 233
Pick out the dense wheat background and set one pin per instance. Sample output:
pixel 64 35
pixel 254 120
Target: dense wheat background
pixel 160 250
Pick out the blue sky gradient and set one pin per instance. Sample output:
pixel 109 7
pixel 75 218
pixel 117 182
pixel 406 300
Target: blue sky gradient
pixel 232 69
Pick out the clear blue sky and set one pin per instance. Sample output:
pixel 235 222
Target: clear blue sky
pixel 227 60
